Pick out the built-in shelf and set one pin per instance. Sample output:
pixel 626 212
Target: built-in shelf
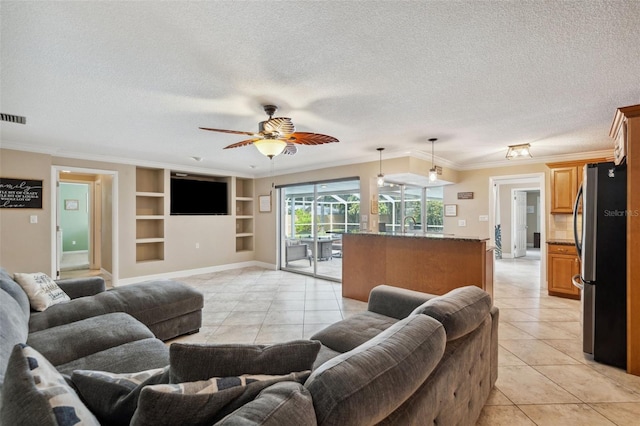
pixel 244 214
pixel 150 214
pixel 149 240
pixel 149 194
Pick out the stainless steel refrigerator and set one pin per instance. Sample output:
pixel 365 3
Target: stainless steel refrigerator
pixel 601 241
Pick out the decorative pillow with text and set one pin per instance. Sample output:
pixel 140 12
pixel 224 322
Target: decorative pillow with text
pixel 41 290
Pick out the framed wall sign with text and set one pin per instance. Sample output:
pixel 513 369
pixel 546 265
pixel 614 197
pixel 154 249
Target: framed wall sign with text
pixel 451 210
pixel 264 203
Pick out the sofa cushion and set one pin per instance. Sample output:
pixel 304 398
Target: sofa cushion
pixel 36 394
pixel 353 331
pixel 113 397
pixel 191 362
pixel 286 403
pixel 202 402
pixel 41 290
pixel 461 310
pixel 13 328
pixel 126 358
pixel 14 290
pixel 67 342
pixel 366 384
pixel 149 302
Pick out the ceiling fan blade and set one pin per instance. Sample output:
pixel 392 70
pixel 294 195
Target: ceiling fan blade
pixel 305 138
pixel 290 149
pixel 283 125
pixel 235 132
pixel 242 143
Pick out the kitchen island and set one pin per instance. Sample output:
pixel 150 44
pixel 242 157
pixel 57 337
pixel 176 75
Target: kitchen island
pixel 430 263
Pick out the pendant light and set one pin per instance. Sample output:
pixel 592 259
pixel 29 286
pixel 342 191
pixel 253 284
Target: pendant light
pixel 433 172
pixel 380 175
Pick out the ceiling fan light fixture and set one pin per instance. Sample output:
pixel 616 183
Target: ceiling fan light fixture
pixel 521 150
pixel 270 147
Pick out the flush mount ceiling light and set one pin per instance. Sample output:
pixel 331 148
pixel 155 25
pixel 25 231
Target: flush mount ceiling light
pixel 516 151
pixel 380 175
pixel 433 171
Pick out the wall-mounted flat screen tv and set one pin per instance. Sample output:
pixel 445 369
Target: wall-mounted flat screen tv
pixel 190 196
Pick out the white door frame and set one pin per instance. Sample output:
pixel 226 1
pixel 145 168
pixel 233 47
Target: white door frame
pixel 533 178
pixel 514 225
pixel 55 174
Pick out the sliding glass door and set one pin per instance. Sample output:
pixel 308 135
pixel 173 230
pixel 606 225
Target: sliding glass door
pixel 313 217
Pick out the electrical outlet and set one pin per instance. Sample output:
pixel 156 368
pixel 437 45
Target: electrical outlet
pixel 483 218
pixel 197 245
pixel 33 219
pixel 462 222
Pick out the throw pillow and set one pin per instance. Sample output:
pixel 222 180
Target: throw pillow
pixel 202 402
pixel 41 290
pixel 34 393
pixel 191 362
pixel 113 398
pixel 285 403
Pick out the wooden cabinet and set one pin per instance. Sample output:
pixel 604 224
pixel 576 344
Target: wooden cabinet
pixel 562 264
pixel 564 187
pixel 566 179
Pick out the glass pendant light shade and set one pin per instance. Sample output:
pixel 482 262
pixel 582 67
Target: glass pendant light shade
pixel 433 171
pixel 270 147
pixel 380 175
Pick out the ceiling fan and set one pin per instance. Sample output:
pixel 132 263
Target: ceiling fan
pixel 276 136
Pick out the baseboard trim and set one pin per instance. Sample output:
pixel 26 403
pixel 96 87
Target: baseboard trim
pixel 507 255
pixel 197 271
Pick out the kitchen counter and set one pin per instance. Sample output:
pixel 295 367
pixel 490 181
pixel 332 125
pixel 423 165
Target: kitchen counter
pixel 562 242
pixel 430 263
pixel 418 234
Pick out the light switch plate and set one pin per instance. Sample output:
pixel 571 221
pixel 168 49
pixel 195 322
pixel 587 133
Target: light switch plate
pixel 33 218
pixel 462 222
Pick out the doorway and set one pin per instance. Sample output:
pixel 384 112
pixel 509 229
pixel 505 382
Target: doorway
pixel 74 230
pixel 84 223
pixel 516 219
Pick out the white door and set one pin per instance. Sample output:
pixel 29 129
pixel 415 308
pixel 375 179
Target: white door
pixel 520 224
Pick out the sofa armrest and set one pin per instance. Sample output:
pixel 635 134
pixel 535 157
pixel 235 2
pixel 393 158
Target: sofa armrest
pixel 395 302
pixel 80 287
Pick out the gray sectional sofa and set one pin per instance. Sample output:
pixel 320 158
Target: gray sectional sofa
pixel 119 330
pixel 410 359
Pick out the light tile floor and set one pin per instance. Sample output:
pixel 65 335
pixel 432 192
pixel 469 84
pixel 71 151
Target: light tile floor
pixel 544 378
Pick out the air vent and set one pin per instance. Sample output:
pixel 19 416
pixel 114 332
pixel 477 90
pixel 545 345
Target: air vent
pixel 13 118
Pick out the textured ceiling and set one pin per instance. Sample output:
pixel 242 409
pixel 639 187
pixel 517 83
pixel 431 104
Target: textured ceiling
pixel 133 81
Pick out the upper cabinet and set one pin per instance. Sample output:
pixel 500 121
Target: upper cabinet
pixel 566 179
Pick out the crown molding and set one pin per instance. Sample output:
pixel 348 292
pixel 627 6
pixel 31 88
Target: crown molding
pixel 56 152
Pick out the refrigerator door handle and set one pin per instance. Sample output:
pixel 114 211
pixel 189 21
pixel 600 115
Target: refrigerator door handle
pixel 577 281
pixel 577 240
